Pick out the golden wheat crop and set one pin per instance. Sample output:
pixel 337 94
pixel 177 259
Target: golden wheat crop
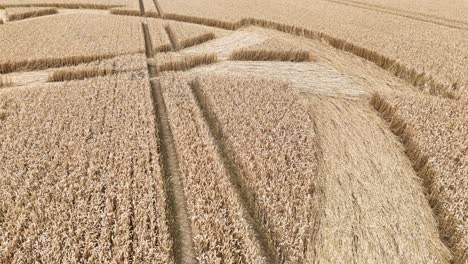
pixel 143 8
pixel 102 4
pixel 221 232
pixel 271 55
pixel 78 74
pixel 124 63
pixel 150 8
pixel 18 13
pixel 434 133
pixel 135 11
pixel 258 118
pixel 159 38
pixel 182 63
pixel 170 131
pixel 369 193
pixel 415 55
pixel 6 81
pixel 185 35
pixel 117 35
pixel 80 174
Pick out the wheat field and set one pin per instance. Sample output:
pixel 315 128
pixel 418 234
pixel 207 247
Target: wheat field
pixel 214 131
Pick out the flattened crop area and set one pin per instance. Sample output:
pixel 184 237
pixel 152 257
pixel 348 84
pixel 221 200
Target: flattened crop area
pixel 132 135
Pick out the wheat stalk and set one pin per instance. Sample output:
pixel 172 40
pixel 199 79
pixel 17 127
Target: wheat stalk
pixel 13 14
pixel 185 63
pixel 271 55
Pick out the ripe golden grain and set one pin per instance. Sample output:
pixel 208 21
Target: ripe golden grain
pixel 6 81
pixel 202 21
pixel 33 3
pixel 220 229
pixel 122 36
pixel 185 43
pixel 453 14
pixel 125 63
pixel 159 38
pixel 184 63
pixel 186 35
pixel 67 75
pixel 433 131
pixel 368 192
pixel 271 55
pixel 19 13
pixel 68 4
pixel 150 8
pixel 90 182
pixel 264 128
pixel 172 38
pixel 414 57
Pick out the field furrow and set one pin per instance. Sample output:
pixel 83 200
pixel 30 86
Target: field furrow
pixel 181 227
pixel 262 124
pixel 181 231
pixel 70 173
pixel 220 230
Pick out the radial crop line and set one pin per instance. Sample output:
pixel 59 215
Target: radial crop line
pixel 131 221
pixel 142 8
pixel 158 8
pixel 265 241
pixel 172 38
pixel 180 226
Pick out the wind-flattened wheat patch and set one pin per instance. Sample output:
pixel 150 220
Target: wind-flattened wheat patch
pixel 125 12
pixel 433 131
pixel 159 38
pixel 371 195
